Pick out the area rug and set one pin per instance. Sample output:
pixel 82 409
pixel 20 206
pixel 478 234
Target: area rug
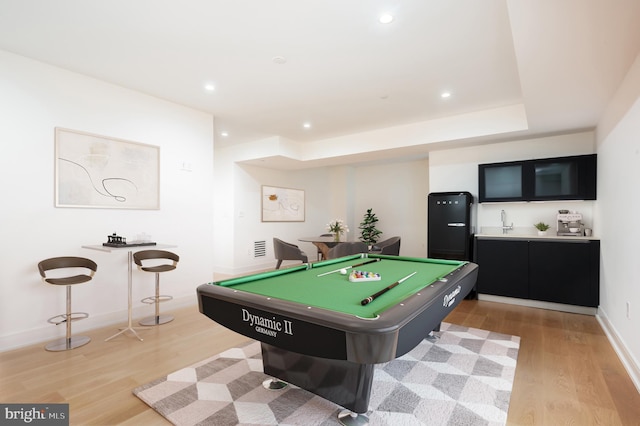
pixel 462 377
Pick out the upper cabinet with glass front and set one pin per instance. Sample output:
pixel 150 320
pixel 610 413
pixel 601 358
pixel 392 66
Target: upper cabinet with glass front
pixel 561 178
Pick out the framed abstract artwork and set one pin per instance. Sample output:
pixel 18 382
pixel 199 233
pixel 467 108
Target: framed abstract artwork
pixel 94 171
pixel 282 204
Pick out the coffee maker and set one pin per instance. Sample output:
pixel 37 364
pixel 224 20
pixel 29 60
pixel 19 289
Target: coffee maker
pixel 570 224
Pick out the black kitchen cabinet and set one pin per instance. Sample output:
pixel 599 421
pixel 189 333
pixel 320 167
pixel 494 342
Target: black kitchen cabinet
pixel 565 272
pixel 559 178
pixel 550 270
pixel 502 182
pixel 504 267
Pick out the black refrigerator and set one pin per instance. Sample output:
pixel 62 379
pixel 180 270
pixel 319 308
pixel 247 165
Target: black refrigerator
pixel 450 229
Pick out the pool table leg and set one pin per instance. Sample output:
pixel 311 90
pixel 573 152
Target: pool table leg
pixel 349 418
pixel 274 384
pixel 345 383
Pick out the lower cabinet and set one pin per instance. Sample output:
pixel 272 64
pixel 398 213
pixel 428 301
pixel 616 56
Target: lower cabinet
pixel 548 270
pixel 503 268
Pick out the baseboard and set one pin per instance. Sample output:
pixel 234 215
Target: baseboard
pixel 48 332
pixel 585 310
pixel 630 363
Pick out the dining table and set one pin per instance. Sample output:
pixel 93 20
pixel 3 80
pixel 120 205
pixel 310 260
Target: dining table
pixel 323 243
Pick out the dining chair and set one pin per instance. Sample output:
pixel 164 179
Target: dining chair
pixel 345 249
pixel 390 246
pixel 287 251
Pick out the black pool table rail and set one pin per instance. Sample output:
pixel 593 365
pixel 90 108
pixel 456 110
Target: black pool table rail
pixel 352 338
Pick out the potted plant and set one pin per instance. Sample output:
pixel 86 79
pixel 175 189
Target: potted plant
pixel 542 228
pixel 337 228
pixel 368 232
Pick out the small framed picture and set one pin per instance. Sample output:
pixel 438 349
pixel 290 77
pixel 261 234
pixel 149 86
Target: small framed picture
pixel 282 204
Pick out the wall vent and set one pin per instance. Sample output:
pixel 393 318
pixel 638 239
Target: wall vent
pixel 259 248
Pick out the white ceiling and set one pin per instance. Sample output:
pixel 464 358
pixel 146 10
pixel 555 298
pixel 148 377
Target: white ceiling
pixel 515 68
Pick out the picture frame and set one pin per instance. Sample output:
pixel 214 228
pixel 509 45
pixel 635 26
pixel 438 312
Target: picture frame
pixel 282 204
pixel 94 171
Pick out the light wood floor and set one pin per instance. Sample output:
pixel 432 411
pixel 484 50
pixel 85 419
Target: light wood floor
pixel 567 372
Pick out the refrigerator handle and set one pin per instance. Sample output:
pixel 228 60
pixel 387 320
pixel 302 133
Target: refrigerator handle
pixel 457 224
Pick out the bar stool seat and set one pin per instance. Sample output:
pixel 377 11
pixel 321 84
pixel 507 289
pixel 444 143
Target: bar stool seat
pixel 72 264
pixel 142 259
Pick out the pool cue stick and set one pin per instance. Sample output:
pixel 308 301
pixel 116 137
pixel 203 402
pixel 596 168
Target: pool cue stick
pixel 348 267
pixel 384 290
pixel 366 263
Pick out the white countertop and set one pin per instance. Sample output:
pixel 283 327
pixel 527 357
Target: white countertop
pixel 526 232
pixel 549 236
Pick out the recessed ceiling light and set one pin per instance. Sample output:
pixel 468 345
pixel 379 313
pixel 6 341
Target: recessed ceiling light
pixel 224 134
pixel 209 87
pixel 445 95
pixel 307 125
pixel 385 18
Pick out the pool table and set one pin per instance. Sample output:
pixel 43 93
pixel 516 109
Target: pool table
pixel 316 333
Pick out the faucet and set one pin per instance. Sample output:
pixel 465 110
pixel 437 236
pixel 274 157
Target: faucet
pixel 503 218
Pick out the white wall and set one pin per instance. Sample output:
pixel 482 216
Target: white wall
pixel 250 228
pixel 617 206
pixel 35 99
pixel 237 219
pixel 396 192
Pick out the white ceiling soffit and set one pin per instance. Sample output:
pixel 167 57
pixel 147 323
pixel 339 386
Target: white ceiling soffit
pixel 380 144
pixel 278 63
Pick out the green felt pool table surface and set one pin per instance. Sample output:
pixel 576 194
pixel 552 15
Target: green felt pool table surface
pixel 335 292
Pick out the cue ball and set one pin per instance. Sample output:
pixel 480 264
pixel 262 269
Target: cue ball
pixel 343 271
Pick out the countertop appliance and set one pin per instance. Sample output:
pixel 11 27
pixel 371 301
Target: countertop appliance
pixel 450 228
pixel 570 224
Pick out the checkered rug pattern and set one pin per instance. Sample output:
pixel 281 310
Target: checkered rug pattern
pixel 463 377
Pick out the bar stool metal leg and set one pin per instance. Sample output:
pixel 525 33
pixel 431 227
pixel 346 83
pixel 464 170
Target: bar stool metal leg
pixel 68 342
pixel 157 319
